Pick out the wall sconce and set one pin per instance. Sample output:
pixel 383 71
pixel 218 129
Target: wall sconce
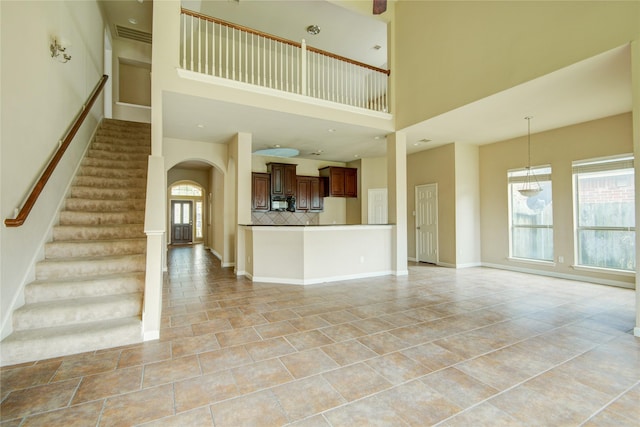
pixel 58 51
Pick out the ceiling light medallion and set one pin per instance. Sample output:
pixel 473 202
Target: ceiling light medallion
pixel 531 185
pixel 313 30
pixel 277 151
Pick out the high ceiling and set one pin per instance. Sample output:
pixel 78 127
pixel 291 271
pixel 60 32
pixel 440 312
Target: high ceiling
pixel 591 89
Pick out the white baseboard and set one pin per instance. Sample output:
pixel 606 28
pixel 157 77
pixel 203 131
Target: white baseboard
pixel 305 282
pixel 596 280
pixel 151 335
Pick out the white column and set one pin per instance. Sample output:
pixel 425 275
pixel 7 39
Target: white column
pixel 240 151
pixel 397 199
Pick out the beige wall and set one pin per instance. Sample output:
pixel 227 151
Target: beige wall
pixel 129 52
pixel 135 83
pixel 35 87
pixel 435 166
pixel 471 49
pixel 599 138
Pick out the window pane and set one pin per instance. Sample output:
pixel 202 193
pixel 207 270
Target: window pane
pixel 198 220
pixel 185 190
pixel 532 243
pixel 605 211
pixel 606 199
pixel 536 210
pixel 176 213
pixel 186 213
pixel 531 220
pixel 607 249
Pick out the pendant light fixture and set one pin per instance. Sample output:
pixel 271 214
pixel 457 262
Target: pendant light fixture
pixel 531 185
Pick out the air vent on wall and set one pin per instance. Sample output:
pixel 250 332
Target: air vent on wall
pixel 129 33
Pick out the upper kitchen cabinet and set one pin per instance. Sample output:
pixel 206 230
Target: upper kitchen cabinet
pixel 260 189
pixel 309 194
pixel 283 179
pixel 342 182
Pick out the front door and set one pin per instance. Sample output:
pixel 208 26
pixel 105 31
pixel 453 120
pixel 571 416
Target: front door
pixel 181 221
pixel 427 223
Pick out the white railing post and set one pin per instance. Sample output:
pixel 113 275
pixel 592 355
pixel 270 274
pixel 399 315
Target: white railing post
pixel 303 67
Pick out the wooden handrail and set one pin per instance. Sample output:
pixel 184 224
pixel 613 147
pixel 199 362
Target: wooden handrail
pixel 66 141
pixel 281 40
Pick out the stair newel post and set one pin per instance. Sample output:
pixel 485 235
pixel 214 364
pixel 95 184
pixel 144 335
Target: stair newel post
pixel 303 67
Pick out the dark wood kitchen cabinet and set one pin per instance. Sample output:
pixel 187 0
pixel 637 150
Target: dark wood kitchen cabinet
pixel 309 194
pixel 340 182
pixel 260 191
pixel 283 179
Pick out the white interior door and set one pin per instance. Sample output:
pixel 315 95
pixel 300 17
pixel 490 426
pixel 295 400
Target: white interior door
pixel 427 223
pixel 378 208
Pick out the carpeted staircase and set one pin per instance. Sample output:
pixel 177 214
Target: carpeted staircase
pixel 88 290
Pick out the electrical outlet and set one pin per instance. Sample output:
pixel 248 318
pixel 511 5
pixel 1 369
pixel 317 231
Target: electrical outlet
pixel 560 259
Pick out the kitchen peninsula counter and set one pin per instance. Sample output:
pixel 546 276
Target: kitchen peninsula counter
pixel 310 254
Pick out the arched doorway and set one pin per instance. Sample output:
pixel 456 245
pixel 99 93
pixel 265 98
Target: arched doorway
pixel 187 213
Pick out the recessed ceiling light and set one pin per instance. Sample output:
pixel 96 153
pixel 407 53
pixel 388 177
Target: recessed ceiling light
pixel 200 126
pixel 377 47
pixel 331 130
pixel 133 21
pixel 313 30
pixel 356 155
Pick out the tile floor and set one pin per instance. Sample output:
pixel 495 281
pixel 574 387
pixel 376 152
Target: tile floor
pixel 468 347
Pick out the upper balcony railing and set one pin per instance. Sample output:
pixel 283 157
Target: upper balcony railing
pixel 222 49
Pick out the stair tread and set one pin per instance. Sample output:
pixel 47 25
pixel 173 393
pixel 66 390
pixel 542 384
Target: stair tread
pixel 81 302
pixel 96 242
pixel 90 259
pixel 72 329
pixel 101 277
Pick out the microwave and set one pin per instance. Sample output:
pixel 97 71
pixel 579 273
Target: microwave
pixel 283 204
pixel 279 204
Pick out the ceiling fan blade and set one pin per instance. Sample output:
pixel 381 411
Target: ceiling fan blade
pixel 379 6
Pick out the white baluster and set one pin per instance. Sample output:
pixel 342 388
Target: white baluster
pixel 192 44
pixel 303 67
pixel 239 56
pixel 206 47
pixel 184 41
pixel 233 54
pixel 285 74
pixel 199 47
pixel 252 59
pixel 226 62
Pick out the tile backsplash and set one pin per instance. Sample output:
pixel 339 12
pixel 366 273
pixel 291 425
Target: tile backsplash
pixel 284 218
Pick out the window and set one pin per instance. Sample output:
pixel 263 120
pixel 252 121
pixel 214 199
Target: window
pixel 531 218
pixel 605 213
pixel 186 190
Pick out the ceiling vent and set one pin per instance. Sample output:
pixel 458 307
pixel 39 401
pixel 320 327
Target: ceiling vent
pixel 129 33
